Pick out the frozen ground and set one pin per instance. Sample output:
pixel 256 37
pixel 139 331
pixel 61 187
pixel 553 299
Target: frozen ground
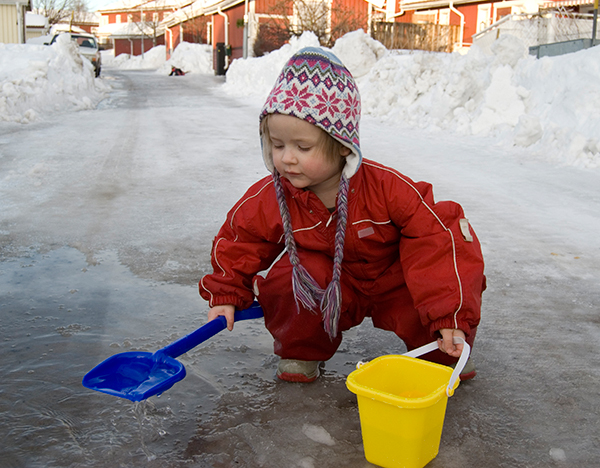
pixel 106 224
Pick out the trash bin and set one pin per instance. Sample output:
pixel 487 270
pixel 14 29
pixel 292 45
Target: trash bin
pixel 220 54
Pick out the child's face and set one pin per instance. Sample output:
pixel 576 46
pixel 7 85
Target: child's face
pixel 298 156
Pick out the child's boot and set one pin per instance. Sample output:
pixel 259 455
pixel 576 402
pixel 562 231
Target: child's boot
pixel 294 370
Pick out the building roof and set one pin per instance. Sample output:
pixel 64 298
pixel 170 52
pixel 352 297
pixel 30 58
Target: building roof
pixel 410 5
pixel 127 30
pixel 212 6
pixel 126 5
pixel 186 13
pixel 567 3
pixel 33 20
pixel 86 17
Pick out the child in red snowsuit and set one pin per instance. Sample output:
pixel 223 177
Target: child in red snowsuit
pixel 341 237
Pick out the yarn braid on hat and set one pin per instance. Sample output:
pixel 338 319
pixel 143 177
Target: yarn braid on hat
pixel 306 290
pixel 315 86
pixel 331 303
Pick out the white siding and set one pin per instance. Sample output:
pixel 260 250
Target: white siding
pixel 9 29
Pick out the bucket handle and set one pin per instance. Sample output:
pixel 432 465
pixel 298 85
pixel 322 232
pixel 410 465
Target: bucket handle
pixel 460 365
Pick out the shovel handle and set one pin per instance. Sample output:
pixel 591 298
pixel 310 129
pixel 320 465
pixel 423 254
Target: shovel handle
pixel 208 330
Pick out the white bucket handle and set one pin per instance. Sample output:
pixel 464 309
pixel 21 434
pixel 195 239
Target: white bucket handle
pixel 460 365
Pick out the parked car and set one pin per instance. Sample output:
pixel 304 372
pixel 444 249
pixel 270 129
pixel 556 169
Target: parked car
pixel 88 47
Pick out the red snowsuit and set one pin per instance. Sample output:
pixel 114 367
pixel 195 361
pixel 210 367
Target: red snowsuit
pixel 409 263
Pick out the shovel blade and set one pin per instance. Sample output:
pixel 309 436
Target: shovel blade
pixel 135 375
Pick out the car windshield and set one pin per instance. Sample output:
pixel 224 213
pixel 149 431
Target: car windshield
pixel 84 41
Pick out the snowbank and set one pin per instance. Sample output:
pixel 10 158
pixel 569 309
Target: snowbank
pixel 549 105
pixel 191 58
pixel 255 76
pixel 151 60
pixel 37 80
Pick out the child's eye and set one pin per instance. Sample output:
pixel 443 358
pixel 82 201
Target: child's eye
pixel 304 148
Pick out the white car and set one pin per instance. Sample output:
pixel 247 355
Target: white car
pixel 88 47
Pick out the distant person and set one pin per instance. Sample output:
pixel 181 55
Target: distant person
pixel 341 237
pixel 176 72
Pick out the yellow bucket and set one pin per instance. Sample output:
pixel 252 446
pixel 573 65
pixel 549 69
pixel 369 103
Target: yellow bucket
pixel 402 404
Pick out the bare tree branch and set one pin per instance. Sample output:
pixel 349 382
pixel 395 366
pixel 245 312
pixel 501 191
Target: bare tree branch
pixel 289 18
pixel 56 10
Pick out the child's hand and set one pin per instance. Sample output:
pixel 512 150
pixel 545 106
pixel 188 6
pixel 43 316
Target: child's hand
pixel 446 344
pixel 226 311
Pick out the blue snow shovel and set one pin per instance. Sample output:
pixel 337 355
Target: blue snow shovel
pixel 138 375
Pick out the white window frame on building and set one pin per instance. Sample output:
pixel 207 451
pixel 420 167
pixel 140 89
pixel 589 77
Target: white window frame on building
pixel 484 16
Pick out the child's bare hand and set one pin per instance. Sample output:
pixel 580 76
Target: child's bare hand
pixel 446 343
pixel 226 311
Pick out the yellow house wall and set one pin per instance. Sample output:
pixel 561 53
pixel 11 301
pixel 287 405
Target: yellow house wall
pixel 9 29
pixel 33 33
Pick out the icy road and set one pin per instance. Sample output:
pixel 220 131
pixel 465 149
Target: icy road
pixel 106 222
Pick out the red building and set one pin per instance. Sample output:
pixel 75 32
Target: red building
pixel 135 26
pixel 241 28
pixel 244 26
pixel 474 16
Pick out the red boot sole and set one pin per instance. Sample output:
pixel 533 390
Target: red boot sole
pixel 296 377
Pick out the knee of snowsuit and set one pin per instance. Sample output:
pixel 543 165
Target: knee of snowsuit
pixel 298 332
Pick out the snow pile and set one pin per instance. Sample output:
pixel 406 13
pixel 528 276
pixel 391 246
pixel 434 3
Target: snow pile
pixel 151 60
pixel 549 105
pixel 255 76
pixel 37 80
pixel 359 52
pixel 191 58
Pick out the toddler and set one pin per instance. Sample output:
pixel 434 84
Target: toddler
pixel 341 237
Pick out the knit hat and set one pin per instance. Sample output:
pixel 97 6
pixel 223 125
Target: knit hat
pixel 316 87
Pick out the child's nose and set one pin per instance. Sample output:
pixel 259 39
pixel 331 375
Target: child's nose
pixel 288 156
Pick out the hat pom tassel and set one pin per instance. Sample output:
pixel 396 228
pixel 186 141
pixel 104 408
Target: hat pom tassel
pixel 306 290
pixel 331 307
